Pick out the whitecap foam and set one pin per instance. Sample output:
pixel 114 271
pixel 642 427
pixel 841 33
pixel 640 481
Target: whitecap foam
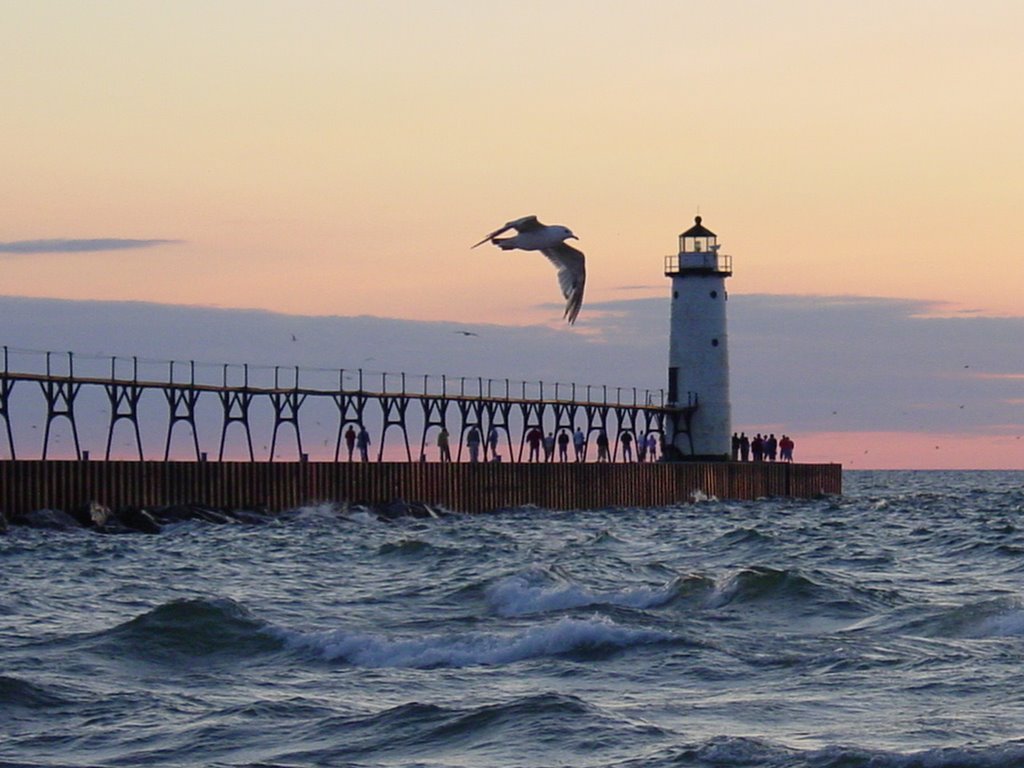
pixel 697 496
pixel 474 648
pixel 314 512
pixel 361 516
pixel 519 595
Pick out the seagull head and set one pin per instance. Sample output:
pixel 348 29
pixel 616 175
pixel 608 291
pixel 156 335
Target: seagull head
pixel 565 233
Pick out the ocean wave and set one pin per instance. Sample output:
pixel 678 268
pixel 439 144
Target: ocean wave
pixel 507 731
pixel 568 636
pixel 998 617
pixel 746 537
pixel 532 592
pixel 405 547
pixel 16 692
pixel 794 592
pixel 756 583
pixel 758 753
pixel 192 628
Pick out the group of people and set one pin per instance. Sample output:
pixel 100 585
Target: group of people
pixel 646 445
pixel 360 440
pixel 542 447
pixel 761 447
pixel 474 441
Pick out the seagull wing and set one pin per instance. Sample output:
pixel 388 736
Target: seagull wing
pixel 525 224
pixel 572 276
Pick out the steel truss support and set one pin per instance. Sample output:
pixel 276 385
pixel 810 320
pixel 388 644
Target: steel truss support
pixel 6 385
pixel 124 404
pixel 435 411
pixel 471 412
pixel 625 419
pixel 597 421
pixel 351 407
pixel 533 416
pixel 60 401
pixel 181 402
pixel 236 410
pixel 498 412
pixel 393 408
pixel 286 411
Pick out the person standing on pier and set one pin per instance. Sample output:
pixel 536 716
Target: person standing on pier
pixel 602 446
pixel 627 446
pixel 473 443
pixel 563 446
pixel 744 447
pixel 652 447
pixel 350 441
pixel 641 448
pixel 786 448
pixel 363 443
pixel 549 447
pixel 442 446
pixel 492 440
pixel 534 438
pixel 579 442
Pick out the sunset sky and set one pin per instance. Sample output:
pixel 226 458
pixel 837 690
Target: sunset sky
pixel 339 158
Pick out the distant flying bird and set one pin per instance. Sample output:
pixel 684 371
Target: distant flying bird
pixel 549 240
pixel 466 333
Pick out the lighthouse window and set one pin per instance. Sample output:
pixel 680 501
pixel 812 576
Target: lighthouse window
pixel 675 294
pixel 714 294
pixel 714 342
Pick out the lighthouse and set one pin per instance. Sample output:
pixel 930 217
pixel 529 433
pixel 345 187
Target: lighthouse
pixel 700 422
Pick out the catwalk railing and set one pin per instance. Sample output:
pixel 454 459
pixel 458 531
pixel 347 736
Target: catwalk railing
pixel 76 405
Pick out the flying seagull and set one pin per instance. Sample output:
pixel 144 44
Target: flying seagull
pixel 549 240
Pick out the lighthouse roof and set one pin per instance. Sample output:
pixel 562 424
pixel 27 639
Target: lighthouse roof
pixel 698 230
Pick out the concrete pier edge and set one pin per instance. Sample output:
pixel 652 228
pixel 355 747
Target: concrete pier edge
pixel 28 485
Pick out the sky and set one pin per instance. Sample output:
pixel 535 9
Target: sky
pixel 317 161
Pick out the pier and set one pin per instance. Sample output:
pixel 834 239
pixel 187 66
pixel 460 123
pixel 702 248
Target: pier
pixel 274 487
pixel 278 435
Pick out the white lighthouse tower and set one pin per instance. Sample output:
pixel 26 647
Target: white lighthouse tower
pixel 698 357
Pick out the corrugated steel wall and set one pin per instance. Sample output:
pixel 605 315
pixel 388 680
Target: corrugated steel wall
pixel 31 485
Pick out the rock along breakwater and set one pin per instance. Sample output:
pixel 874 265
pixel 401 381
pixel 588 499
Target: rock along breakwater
pixel 273 487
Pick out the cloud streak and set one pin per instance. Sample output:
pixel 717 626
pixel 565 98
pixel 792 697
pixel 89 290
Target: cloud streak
pixel 872 369
pixel 77 245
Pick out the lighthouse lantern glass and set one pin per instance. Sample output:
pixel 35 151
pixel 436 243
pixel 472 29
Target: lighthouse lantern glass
pixel 697 244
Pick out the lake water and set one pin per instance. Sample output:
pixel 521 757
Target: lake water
pixel 881 628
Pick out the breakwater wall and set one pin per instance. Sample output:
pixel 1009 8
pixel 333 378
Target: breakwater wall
pixel 31 485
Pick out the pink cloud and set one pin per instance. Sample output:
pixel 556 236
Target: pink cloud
pixel 913 450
